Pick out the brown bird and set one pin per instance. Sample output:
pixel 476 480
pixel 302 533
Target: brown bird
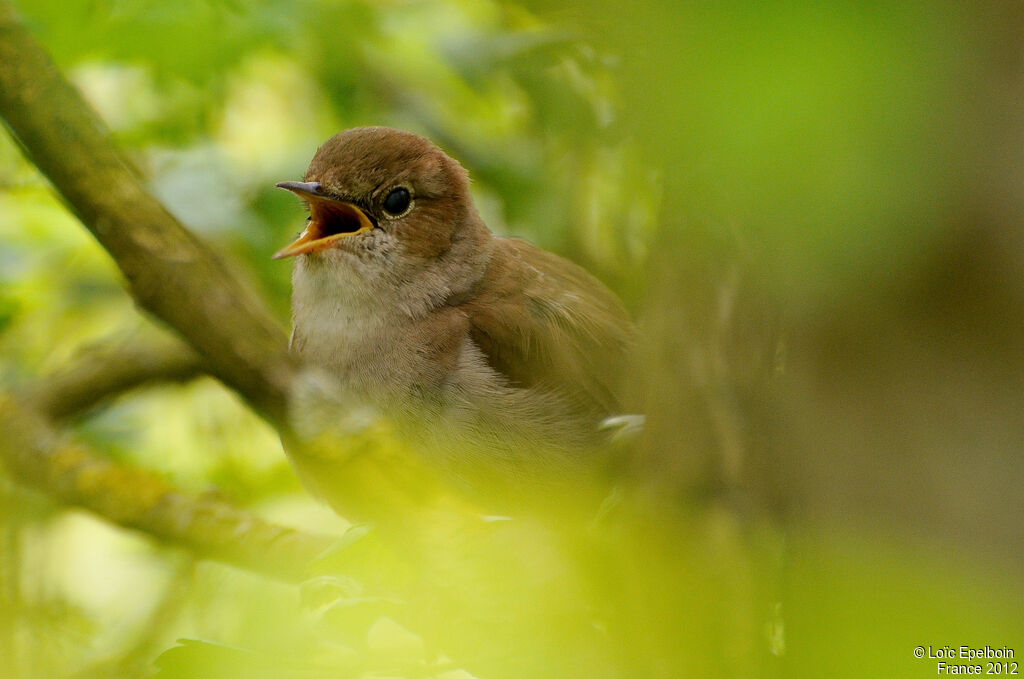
pixel 497 359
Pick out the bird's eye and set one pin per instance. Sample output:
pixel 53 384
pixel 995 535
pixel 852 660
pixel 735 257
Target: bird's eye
pixel 397 201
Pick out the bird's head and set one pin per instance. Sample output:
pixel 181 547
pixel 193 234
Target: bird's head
pixel 386 205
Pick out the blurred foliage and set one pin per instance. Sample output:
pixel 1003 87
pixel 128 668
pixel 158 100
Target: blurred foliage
pixel 216 101
pixel 849 171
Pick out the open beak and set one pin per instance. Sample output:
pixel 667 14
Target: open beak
pixel 330 220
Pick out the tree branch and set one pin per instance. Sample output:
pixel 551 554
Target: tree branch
pixel 103 372
pixel 512 598
pixel 35 454
pixel 171 274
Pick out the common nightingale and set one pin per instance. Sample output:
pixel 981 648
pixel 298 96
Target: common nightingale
pixel 496 360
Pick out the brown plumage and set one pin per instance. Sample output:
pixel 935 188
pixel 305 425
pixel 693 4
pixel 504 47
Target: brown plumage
pixel 489 352
pixel 542 321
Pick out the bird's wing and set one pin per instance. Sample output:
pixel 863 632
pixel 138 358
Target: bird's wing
pixel 544 322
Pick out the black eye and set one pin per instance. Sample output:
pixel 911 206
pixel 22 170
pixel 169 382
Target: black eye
pixel 397 201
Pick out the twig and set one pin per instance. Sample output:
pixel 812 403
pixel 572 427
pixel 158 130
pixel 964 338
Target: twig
pixel 35 454
pixel 170 273
pixel 103 372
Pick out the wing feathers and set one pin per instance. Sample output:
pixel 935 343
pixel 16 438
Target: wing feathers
pixel 544 322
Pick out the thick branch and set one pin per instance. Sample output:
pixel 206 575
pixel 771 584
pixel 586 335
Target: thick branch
pixel 35 455
pixel 103 372
pixel 171 274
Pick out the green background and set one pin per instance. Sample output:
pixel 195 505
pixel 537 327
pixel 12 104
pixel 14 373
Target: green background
pixel 813 210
